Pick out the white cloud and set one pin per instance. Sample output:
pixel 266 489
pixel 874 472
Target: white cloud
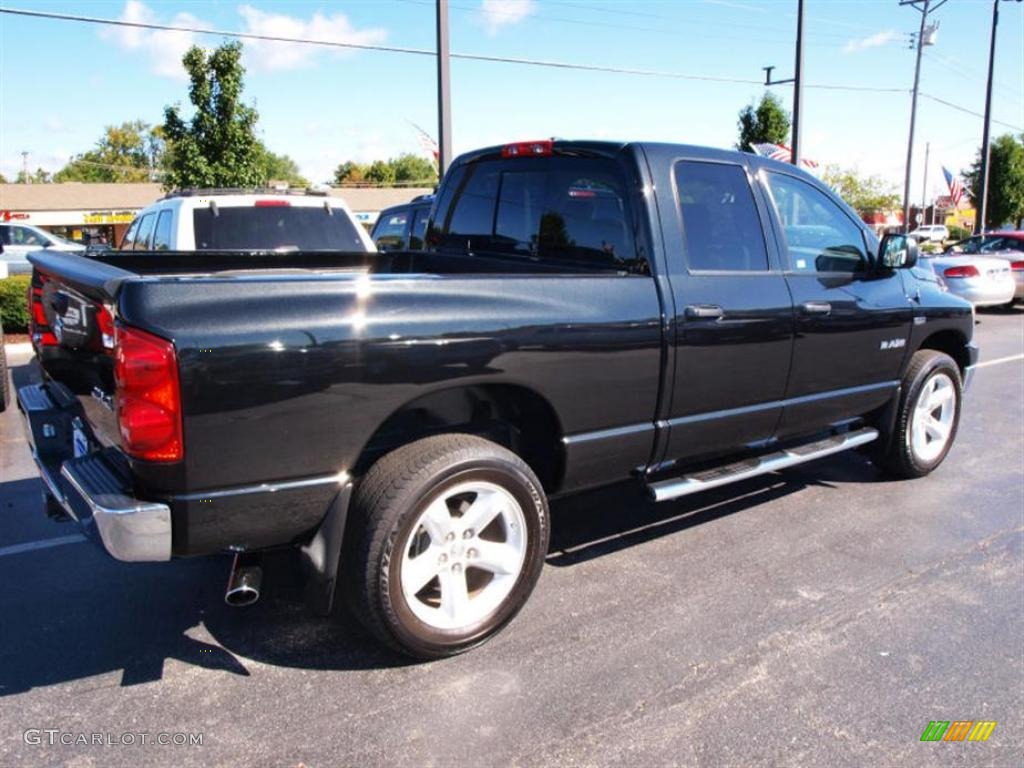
pixel 872 41
pixel 266 55
pixel 503 13
pixel 163 47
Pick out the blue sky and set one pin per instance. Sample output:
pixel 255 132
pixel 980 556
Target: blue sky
pixel 62 82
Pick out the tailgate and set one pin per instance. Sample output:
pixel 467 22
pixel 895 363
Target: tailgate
pixel 72 333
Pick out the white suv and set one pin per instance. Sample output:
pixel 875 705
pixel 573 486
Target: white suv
pixel 219 220
pixel 930 233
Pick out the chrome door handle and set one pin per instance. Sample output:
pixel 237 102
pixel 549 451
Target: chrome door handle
pixel 816 308
pixel 704 311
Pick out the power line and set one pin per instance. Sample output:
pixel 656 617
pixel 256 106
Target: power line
pixel 553 64
pixel 967 111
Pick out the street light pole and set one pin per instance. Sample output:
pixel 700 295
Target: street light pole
pixel 913 116
pixel 979 221
pixel 924 186
pixel 798 84
pixel 444 101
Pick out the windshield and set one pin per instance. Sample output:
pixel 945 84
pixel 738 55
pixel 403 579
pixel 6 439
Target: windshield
pixel 275 227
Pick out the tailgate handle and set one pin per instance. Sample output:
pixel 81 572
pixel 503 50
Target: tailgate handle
pixel 704 311
pixel 816 308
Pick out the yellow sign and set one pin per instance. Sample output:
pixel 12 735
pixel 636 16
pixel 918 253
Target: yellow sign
pixel 109 217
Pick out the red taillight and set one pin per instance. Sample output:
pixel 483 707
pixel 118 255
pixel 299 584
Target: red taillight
pixel 148 397
pixel 968 270
pixel 40 327
pixel 105 323
pixel 528 149
pixel 1017 266
pixel 271 203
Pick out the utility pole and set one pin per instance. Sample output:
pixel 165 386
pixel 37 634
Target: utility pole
pixel 923 7
pixel 444 96
pixel 924 187
pixel 798 84
pixel 796 80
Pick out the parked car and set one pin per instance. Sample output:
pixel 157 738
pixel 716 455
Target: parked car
pixel 982 280
pixel 998 245
pixel 19 240
pixel 931 233
pixel 586 313
pixel 402 227
pixel 240 220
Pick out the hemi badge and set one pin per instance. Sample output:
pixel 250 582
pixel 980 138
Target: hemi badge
pixel 920 320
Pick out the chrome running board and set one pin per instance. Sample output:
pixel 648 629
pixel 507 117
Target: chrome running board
pixel 673 488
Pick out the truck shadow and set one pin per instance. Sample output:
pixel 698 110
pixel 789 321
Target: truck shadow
pixel 73 613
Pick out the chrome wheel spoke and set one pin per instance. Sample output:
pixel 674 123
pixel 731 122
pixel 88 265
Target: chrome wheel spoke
pixel 482 511
pixel 499 559
pixel 437 521
pixel 454 594
pixel 935 429
pixel 420 570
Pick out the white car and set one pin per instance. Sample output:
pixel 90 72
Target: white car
pixel 931 233
pixel 19 240
pixel 246 221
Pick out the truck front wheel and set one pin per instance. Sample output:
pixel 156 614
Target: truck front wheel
pixel 928 416
pixel 446 540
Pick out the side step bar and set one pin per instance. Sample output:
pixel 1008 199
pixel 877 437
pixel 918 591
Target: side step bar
pixel 673 488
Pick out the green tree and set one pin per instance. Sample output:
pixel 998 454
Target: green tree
pixel 863 194
pixel 1005 203
pixel 3 179
pixel 282 168
pixel 39 177
pixel 767 123
pixel 413 168
pixel 381 172
pixel 217 147
pixel 125 153
pixel 350 173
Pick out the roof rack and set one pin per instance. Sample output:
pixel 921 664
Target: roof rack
pixel 211 191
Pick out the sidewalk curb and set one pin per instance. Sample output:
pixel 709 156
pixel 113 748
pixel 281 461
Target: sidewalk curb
pixel 18 349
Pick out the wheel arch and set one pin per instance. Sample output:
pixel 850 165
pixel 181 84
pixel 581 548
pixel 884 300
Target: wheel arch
pixel 512 415
pixel 950 341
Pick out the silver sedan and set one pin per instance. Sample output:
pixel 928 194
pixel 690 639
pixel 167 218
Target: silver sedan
pixel 982 280
pixel 1008 246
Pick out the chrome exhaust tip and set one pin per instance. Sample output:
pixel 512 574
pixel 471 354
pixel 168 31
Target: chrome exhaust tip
pixel 243 582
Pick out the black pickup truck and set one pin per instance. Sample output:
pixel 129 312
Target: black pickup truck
pixel 583 313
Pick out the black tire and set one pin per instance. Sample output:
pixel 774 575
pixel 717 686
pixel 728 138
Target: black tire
pixel 901 459
pixel 387 505
pixel 5 386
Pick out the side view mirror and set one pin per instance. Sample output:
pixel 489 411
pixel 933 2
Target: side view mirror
pixel 898 252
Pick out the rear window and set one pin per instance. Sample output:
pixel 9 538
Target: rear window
pixel 275 227
pixel 562 211
pixel 389 231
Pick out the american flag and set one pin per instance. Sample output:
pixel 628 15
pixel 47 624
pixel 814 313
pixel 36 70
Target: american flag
pixel 780 152
pixel 956 189
pixel 427 142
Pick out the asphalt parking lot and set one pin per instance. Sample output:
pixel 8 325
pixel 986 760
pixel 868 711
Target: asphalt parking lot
pixel 819 616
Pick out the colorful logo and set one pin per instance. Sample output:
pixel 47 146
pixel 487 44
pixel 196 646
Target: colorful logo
pixel 958 730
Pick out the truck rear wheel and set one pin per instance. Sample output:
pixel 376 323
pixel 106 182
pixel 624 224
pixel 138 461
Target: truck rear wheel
pixel 447 537
pixel 928 417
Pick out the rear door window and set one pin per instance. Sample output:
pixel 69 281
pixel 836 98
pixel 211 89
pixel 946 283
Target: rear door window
pixel 162 234
pixel 721 229
pixel 418 231
pixel 145 232
pixel 562 212
pixel 275 226
pixel 390 231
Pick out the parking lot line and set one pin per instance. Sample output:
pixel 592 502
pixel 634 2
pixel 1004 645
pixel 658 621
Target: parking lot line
pixel 999 360
pixel 17 549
